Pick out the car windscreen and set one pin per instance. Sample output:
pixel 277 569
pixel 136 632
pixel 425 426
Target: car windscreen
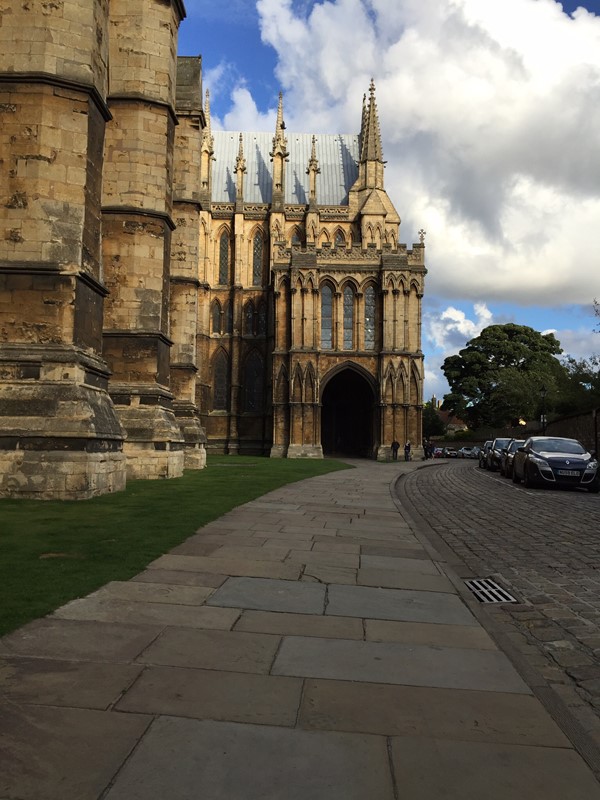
pixel 558 446
pixel 500 443
pixel 515 444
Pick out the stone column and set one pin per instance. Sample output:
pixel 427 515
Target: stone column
pixel 59 434
pixel 184 283
pixel 137 225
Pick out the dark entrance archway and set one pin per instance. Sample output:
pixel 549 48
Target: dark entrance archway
pixel 347 416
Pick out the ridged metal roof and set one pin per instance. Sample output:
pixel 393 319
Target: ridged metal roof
pixel 337 154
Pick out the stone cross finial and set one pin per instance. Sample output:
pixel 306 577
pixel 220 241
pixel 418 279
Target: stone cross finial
pixel 422 235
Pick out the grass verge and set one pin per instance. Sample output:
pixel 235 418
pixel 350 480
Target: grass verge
pixel 52 552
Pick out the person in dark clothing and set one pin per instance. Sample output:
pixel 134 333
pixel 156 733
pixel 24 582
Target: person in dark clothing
pixel 407 451
pixel 395 448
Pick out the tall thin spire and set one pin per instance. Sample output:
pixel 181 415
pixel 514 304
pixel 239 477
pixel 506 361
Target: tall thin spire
pixel 206 152
pixel 279 140
pixel 279 156
pixel 371 136
pixel 312 172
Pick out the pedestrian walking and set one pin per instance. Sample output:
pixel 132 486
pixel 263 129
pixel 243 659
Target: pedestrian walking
pixel 395 448
pixel 407 451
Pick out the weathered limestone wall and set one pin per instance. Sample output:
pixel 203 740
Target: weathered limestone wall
pixel 137 226
pixel 59 435
pixel 184 258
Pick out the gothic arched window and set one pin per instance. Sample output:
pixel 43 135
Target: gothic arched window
pixel 257 260
pixel 253 381
pixel 369 318
pixel 229 317
pixel 348 318
pixel 340 240
pixel 326 318
pixel 262 318
pixel 215 317
pixel 249 318
pixel 224 258
pixel 220 382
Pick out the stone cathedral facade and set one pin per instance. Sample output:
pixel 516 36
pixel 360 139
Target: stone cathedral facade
pixel 167 289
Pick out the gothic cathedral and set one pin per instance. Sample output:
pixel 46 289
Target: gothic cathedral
pixel 310 343
pixel 167 289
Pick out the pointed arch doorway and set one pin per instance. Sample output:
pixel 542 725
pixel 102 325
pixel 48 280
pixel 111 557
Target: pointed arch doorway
pixel 347 415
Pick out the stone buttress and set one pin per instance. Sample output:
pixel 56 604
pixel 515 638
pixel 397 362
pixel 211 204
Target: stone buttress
pixel 59 434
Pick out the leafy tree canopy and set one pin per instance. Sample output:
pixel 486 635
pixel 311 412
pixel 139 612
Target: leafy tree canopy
pixel 496 379
pixel 580 387
pixel 433 424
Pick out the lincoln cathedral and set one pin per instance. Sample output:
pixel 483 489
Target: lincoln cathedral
pixel 168 289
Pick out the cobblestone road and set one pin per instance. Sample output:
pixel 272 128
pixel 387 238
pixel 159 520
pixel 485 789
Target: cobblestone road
pixel 544 547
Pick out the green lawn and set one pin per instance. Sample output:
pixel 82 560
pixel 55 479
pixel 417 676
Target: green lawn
pixel 52 552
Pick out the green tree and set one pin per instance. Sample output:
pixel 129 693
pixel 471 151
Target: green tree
pixel 496 379
pixel 433 424
pixel 580 386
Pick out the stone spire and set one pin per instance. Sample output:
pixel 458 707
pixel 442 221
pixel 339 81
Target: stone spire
pixel 279 156
pixel 312 172
pixel 363 122
pixel 206 154
pixel 371 137
pixel 240 169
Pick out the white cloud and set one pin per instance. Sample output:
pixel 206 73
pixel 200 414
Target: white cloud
pixel 490 131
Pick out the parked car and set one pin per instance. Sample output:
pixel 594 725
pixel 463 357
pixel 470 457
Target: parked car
pixel 438 452
pixel 475 452
pixel 450 452
pixel 494 454
pixel 554 461
pixel 465 452
pixel 483 454
pixel 508 454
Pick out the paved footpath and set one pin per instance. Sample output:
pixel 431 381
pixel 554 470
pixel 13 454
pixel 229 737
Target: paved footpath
pixel 309 645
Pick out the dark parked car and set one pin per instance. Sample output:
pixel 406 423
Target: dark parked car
pixel 553 461
pixel 483 454
pixel 494 454
pixel 508 454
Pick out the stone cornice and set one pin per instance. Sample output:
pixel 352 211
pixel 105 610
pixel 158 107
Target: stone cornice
pixel 138 97
pixel 48 79
pixel 141 212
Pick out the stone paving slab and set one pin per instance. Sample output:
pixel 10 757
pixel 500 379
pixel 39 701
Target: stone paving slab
pixel 158 592
pixel 60 753
pixel 390 579
pixel 436 768
pixel 205 694
pixel 267 552
pixel 82 641
pixel 420 565
pixel 270 595
pixel 400 604
pixel 323 559
pixel 180 577
pixel 391 662
pixel 470 637
pixel 322 574
pixel 461 714
pixel 77 684
pixel 300 625
pixel 228 566
pixel 395 551
pixel 253 762
pixel 226 650
pixel 122 611
pixel 335 546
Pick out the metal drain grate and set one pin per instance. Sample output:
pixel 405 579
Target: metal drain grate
pixel 488 591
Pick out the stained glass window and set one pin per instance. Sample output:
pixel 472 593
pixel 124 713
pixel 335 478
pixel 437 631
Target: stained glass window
pixel 224 259
pixel 249 318
pixel 220 382
pixel 229 317
pixel 369 318
pixel 262 318
pixel 326 320
pixel 216 317
pixel 348 318
pixel 257 260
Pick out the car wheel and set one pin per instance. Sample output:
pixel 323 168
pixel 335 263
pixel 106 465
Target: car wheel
pixel 502 472
pixel 508 472
pixel 515 477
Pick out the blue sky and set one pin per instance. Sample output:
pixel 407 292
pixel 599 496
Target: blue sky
pixel 490 115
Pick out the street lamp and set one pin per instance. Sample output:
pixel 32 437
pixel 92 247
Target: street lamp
pixel 543 393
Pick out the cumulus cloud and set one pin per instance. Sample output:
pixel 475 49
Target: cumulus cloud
pixel 490 132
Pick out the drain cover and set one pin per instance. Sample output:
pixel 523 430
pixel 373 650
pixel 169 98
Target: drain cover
pixel 488 591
